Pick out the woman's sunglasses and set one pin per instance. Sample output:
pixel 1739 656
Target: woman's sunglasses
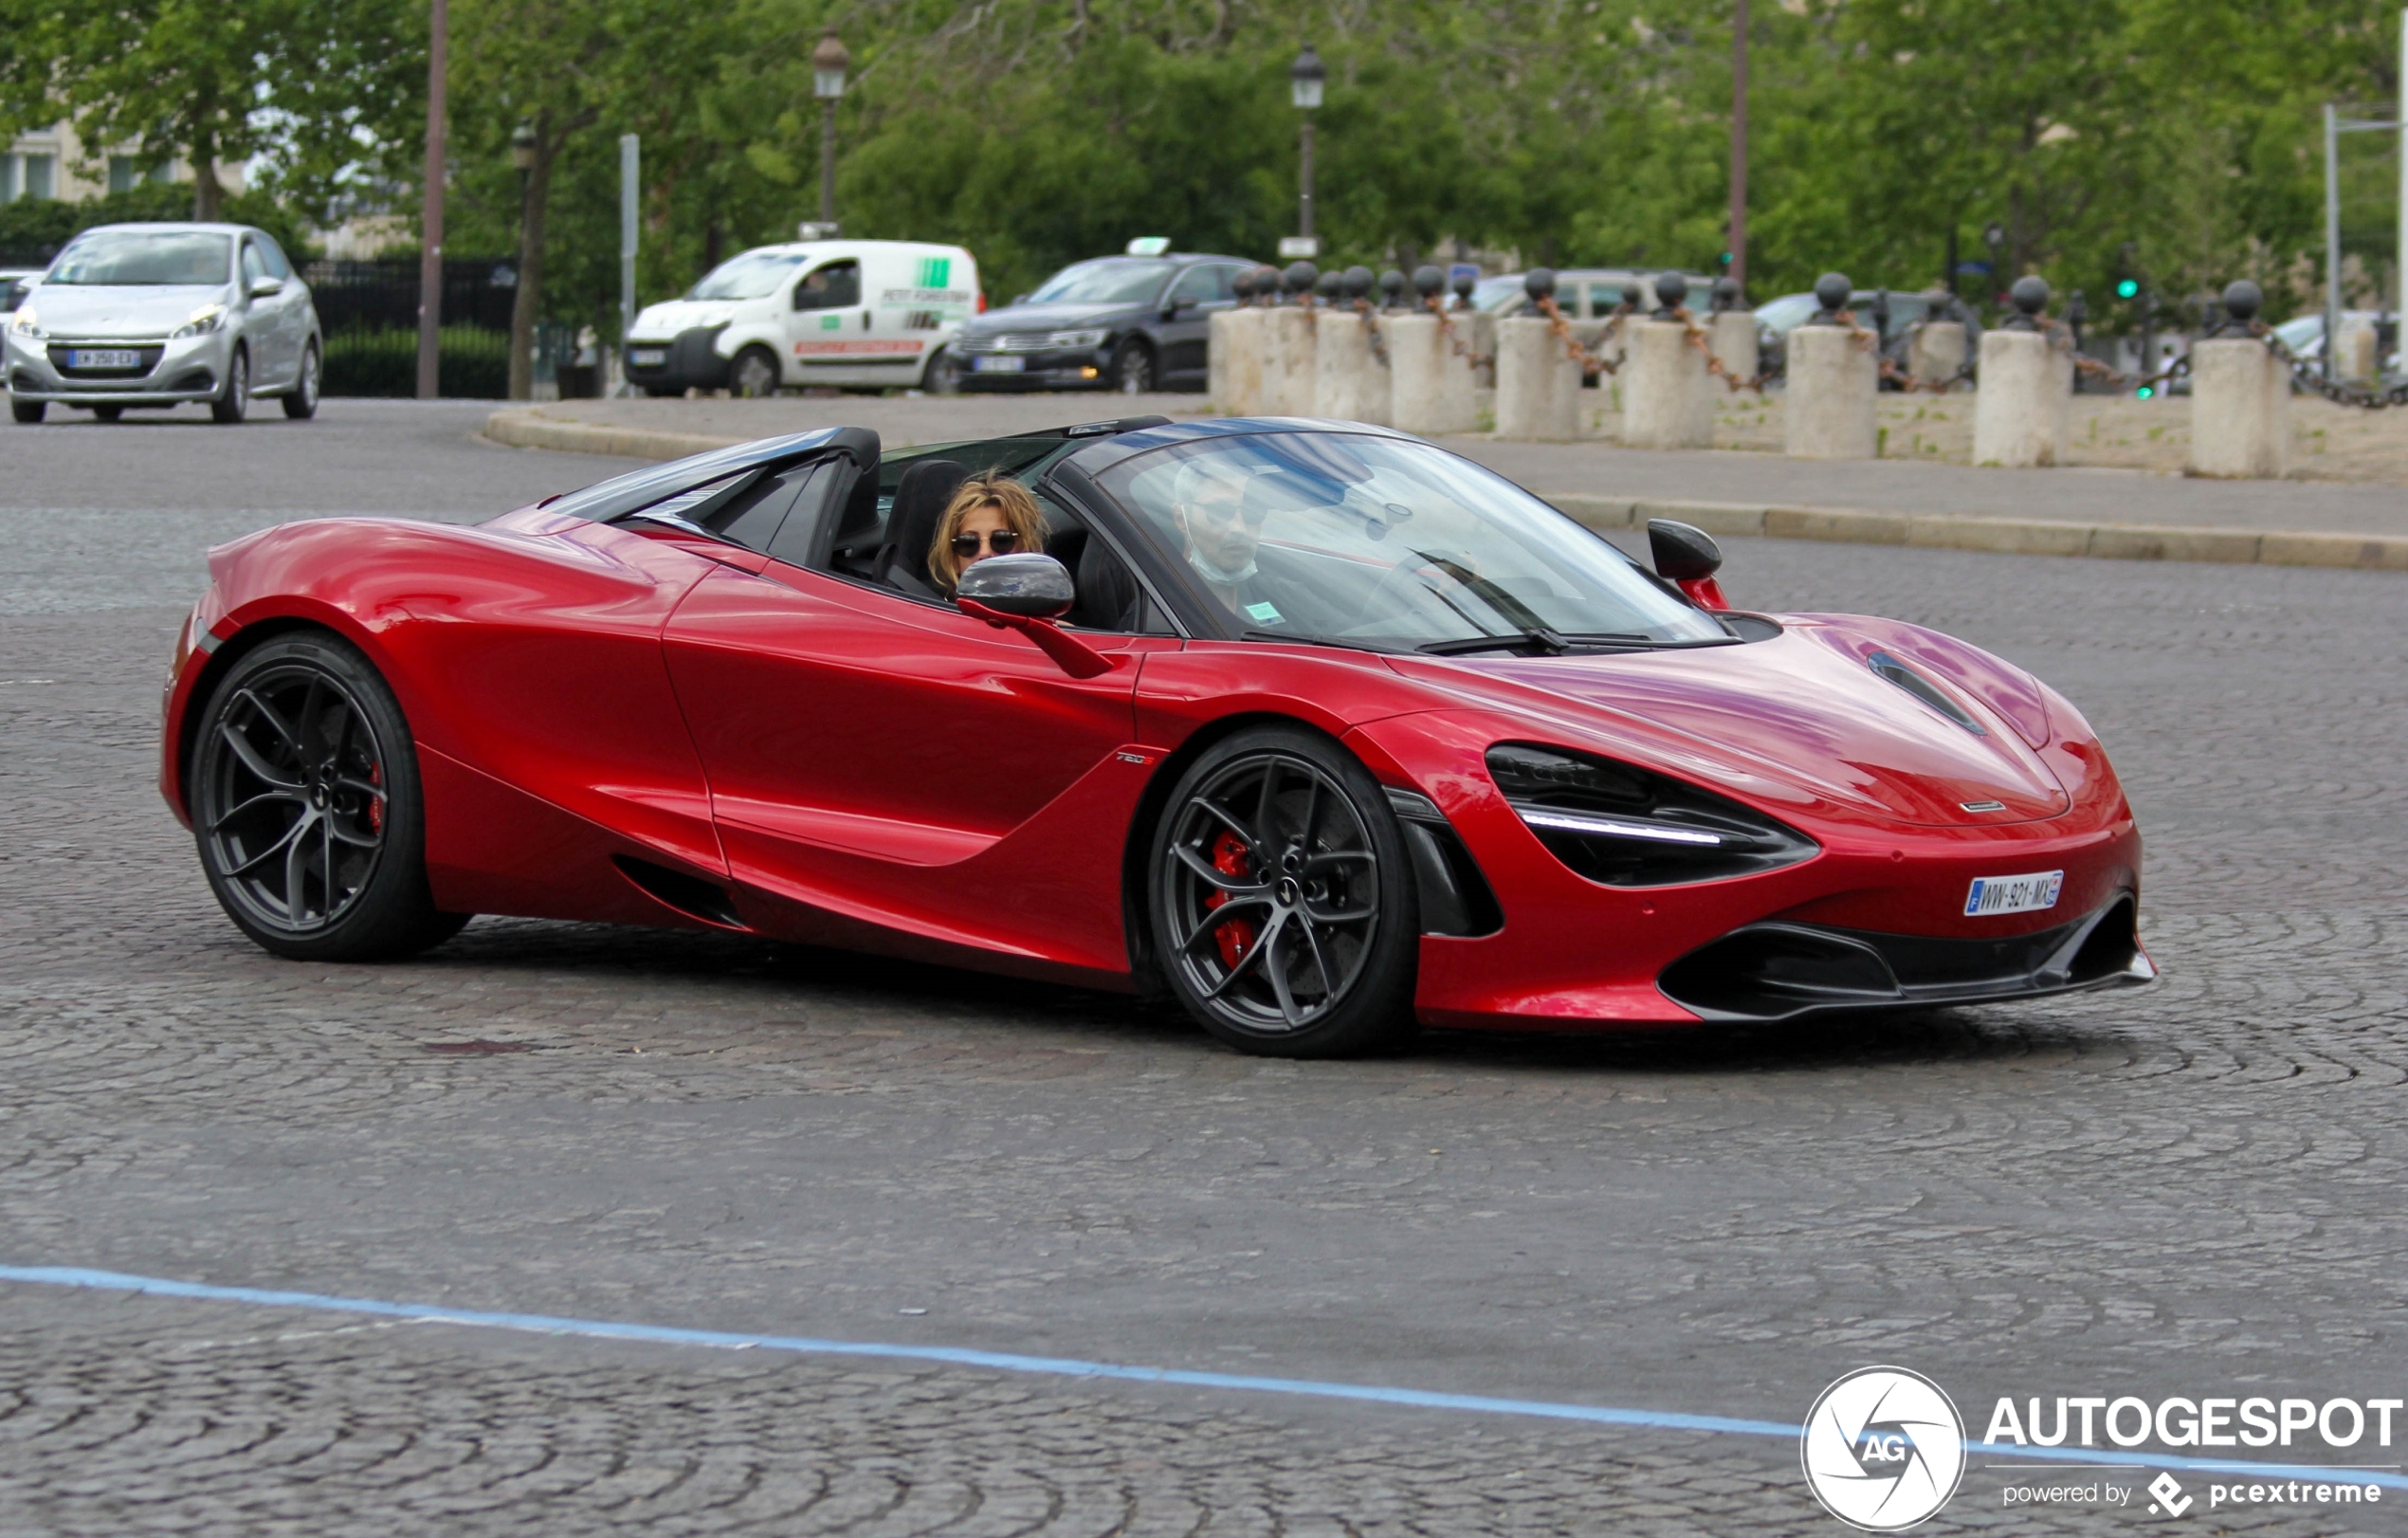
pixel 1000 542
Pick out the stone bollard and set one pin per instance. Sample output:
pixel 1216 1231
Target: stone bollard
pixel 2241 399
pixel 2356 359
pixel 1288 361
pixel 1234 361
pixel 1350 383
pixel 1538 386
pixel 1666 398
pixel 1833 380
pixel 1430 384
pixel 1937 352
pixel 2020 413
pixel 1730 335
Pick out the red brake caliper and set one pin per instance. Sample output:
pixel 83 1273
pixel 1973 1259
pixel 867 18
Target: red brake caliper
pixel 1237 936
pixel 375 803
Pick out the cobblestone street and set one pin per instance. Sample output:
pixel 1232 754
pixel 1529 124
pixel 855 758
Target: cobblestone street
pixel 2192 1189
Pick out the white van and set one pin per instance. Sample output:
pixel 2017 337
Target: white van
pixel 861 313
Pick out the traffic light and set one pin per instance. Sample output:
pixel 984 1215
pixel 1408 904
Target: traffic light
pixel 1725 260
pixel 2127 287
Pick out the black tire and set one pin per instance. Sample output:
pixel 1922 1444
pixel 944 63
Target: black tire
pixel 664 392
pixel 233 401
pixel 108 414
pixel 943 375
pixel 28 413
pixel 300 402
pixel 1318 959
pixel 306 806
pixel 754 375
pixel 1133 368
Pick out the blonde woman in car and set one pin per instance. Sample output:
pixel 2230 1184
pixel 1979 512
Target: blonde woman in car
pixel 991 515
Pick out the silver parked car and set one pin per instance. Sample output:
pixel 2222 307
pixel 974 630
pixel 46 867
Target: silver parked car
pixel 161 313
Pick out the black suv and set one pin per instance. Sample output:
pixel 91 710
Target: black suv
pixel 1131 324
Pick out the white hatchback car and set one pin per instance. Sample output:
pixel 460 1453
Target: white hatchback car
pixel 859 313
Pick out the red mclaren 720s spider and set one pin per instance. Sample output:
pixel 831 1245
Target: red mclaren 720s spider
pixel 1319 727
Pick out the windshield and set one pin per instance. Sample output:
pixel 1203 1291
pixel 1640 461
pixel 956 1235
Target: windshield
pixel 143 258
pixel 1386 542
pixel 1114 281
pixel 753 275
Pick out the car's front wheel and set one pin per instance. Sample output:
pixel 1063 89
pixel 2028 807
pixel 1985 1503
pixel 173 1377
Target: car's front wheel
pixel 943 377
pixel 300 402
pixel 1283 908
pixel 1133 369
pixel 233 402
pixel 306 806
pixel 108 414
pixel 754 375
pixel 28 413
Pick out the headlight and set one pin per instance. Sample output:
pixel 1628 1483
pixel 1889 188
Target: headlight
pixel 1625 826
pixel 1077 338
pixel 207 318
pixel 27 324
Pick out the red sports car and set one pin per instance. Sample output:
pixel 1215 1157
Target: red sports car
pixel 1320 729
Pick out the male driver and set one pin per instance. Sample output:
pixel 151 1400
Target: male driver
pixel 1220 516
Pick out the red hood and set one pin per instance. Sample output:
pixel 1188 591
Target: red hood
pixel 1801 709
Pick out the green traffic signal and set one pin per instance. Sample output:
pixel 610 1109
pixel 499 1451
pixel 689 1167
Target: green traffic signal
pixel 2127 288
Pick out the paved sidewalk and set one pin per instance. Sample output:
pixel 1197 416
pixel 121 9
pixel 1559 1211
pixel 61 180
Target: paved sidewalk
pixel 2065 511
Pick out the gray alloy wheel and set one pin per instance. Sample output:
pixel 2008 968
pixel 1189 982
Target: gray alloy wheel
pixel 305 806
pixel 754 375
pixel 1284 913
pixel 300 402
pixel 1133 368
pixel 234 403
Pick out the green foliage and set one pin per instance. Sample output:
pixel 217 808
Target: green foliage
pixel 31 229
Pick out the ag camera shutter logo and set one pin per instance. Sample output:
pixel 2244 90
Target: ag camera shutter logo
pixel 1883 1449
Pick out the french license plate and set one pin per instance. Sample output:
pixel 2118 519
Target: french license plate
pixel 2013 894
pixel 647 358
pixel 997 365
pixel 103 357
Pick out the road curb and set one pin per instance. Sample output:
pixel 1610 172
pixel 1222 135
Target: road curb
pixel 523 429
pixel 2005 535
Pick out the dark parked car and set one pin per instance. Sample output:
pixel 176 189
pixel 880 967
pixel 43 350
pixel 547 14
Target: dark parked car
pixel 1131 324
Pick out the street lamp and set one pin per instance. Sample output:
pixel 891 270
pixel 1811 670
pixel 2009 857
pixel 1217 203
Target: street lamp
pixel 829 63
pixel 1306 77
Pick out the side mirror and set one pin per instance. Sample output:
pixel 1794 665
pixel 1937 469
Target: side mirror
pixel 1028 592
pixel 1686 557
pixel 267 288
pixel 1026 586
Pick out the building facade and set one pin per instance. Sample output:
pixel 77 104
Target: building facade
pixel 54 163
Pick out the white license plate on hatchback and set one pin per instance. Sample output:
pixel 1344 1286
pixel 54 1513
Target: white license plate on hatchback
pixel 2013 894
pixel 103 357
pixel 647 358
pixel 997 365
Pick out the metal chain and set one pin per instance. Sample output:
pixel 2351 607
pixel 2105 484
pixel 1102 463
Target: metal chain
pixel 1447 329
pixel 1372 332
pixel 1573 351
pixel 2338 392
pixel 1697 336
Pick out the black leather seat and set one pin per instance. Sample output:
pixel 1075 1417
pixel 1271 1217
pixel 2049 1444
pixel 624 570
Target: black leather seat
pixel 1107 591
pixel 911 526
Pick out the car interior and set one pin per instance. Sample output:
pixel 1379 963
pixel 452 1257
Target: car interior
pixel 850 511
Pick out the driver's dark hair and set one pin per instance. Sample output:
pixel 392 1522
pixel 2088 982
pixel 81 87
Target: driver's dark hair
pixel 990 489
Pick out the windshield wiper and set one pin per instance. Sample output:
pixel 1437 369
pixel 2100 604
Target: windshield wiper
pixel 1302 639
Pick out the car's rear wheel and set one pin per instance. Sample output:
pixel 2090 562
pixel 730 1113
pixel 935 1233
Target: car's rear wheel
pixel 943 375
pixel 1284 907
pixel 1133 368
pixel 754 374
pixel 306 806
pixel 233 402
pixel 28 413
pixel 108 414
pixel 300 402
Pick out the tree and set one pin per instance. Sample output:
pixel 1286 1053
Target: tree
pixel 215 83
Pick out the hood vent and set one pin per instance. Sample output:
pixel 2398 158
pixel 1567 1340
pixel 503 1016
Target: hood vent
pixel 1923 688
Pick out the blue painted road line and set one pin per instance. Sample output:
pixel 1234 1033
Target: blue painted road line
pixel 111 1281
